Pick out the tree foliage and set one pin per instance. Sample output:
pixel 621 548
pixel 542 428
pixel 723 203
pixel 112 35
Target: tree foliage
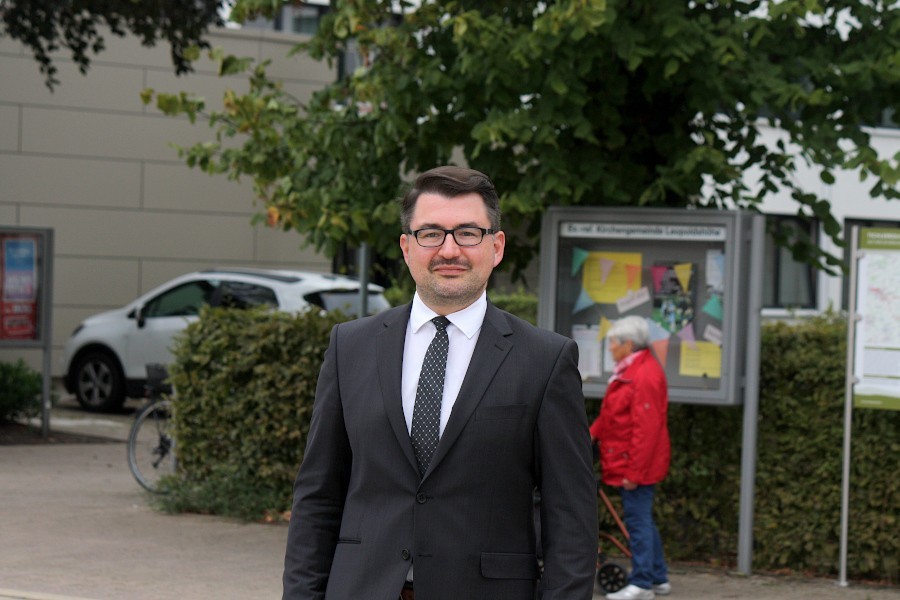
pixel 46 26
pixel 571 102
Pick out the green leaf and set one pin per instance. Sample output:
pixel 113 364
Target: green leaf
pixel 671 68
pixel 147 95
pixel 231 65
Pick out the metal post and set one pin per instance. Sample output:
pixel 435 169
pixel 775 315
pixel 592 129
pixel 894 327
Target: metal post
pixel 363 280
pixel 46 322
pixel 46 395
pixel 751 397
pixel 852 318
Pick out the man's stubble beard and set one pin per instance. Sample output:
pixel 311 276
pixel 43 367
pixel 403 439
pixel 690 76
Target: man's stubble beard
pixel 461 291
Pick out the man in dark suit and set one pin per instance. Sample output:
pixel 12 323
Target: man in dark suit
pixel 423 486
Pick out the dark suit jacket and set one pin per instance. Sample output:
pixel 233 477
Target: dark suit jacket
pixel 361 512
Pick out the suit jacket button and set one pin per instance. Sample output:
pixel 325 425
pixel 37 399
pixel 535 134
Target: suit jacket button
pixel 420 497
pixel 404 554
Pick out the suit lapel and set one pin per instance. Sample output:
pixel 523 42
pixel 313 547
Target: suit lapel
pixel 389 345
pixel 490 352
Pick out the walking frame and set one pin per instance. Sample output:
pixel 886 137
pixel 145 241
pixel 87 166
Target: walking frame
pixel 612 576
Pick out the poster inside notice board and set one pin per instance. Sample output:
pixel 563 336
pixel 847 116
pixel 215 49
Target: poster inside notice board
pixel 681 272
pixel 22 263
pixel 876 364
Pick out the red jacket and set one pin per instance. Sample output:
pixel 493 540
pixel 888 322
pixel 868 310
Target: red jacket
pixel 632 429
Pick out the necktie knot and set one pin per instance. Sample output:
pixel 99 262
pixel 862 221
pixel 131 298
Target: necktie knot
pixel 441 323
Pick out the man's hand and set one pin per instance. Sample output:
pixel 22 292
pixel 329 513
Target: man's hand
pixel 629 485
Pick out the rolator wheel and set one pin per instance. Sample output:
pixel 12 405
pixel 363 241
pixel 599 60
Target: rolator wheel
pixel 611 577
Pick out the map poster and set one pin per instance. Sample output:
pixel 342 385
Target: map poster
pixel 877 352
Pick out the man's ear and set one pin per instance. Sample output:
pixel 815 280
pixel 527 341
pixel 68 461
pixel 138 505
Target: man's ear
pixel 404 246
pixel 499 245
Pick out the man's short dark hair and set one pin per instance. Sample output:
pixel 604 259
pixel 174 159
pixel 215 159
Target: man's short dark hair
pixel 450 181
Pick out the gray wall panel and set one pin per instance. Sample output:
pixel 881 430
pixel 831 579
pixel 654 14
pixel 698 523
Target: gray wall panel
pixel 9 128
pixel 69 181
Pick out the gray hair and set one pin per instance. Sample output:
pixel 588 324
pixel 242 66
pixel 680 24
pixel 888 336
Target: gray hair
pixel 633 329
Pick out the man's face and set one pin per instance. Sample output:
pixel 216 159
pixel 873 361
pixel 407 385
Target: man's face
pixel 451 277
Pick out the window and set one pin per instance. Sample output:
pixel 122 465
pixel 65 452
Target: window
pixel 237 294
pixel 186 299
pixel 182 301
pixel 888 120
pixel 305 19
pixel 848 227
pixel 788 283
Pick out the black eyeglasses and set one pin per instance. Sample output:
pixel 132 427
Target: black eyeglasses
pixel 431 237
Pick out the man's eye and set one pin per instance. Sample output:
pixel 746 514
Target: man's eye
pixel 430 234
pixel 467 233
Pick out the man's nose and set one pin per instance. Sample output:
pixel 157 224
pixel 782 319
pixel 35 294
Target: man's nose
pixel 449 247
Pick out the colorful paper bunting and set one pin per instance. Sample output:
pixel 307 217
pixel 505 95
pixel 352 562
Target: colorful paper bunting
pixel 683 272
pixel 605 324
pixel 658 273
pixel 713 307
pixel 687 335
pixel 661 348
pixel 657 331
pixel 633 276
pixel 578 258
pixel 584 301
pixel 606 265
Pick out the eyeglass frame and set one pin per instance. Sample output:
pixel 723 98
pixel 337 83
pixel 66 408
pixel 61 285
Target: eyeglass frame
pixel 484 231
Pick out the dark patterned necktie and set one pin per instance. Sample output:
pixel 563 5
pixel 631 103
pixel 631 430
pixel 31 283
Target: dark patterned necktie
pixel 426 420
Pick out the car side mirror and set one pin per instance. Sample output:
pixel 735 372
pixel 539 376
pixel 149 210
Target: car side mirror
pixel 139 315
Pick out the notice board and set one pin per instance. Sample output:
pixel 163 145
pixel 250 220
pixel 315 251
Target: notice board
pixel 877 354
pixel 25 268
pixel 685 271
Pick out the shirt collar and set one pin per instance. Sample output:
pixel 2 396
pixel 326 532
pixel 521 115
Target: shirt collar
pixel 467 320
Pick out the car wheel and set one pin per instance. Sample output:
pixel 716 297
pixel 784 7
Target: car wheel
pixel 99 383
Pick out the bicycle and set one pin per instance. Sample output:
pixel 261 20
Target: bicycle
pixel 151 442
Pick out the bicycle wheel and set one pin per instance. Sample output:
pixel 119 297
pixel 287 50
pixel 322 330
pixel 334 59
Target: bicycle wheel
pixel 151 445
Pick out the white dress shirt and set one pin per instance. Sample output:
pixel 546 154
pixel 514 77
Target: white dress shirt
pixel 463 331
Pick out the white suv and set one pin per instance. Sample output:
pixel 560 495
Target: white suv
pixel 105 358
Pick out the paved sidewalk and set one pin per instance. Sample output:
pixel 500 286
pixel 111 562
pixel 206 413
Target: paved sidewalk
pixel 74 525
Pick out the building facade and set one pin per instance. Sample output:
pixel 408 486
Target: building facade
pixel 90 161
pixel 795 288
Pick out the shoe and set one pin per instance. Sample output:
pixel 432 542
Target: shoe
pixel 662 589
pixel 631 592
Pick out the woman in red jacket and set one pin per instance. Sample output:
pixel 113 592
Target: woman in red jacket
pixel 633 436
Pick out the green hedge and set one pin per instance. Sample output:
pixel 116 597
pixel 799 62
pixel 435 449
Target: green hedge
pixel 799 466
pixel 246 384
pixel 20 388
pixel 801 434
pixel 519 303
